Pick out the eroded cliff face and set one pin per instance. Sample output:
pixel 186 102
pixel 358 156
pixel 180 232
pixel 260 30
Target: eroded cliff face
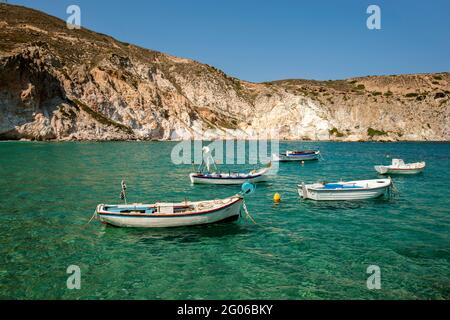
pixel 61 84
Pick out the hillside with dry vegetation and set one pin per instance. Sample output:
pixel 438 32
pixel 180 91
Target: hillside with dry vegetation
pixel 62 84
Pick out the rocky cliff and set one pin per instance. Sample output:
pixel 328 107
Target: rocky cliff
pixel 62 84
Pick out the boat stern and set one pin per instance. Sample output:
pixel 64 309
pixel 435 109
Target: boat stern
pixel 381 169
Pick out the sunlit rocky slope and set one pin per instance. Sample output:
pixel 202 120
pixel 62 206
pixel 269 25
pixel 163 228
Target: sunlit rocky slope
pixel 61 84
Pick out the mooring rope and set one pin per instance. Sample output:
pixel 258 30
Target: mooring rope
pixel 244 206
pixel 394 188
pixel 93 216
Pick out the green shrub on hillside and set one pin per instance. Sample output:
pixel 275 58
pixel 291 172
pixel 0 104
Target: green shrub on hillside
pixel 373 132
pixel 335 132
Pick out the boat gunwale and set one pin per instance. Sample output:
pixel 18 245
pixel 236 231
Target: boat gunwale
pixel 170 215
pixel 400 169
pixel 259 173
pixel 201 176
pixel 298 159
pixel 300 153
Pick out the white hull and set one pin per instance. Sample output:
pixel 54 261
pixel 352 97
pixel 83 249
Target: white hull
pixel 368 190
pixel 347 195
pixel 284 158
pixel 226 213
pixel 387 170
pixel 399 167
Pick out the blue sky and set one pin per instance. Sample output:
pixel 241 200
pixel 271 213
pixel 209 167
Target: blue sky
pixel 269 40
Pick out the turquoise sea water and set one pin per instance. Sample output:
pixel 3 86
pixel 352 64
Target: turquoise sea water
pixel 298 250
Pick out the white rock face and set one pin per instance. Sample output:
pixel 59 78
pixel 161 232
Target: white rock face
pixel 292 116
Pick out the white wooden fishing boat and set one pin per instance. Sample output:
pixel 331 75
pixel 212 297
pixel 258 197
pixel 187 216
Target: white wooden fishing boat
pixel 162 215
pixel 205 176
pixel 351 190
pixel 298 155
pixel 398 166
pixel 165 214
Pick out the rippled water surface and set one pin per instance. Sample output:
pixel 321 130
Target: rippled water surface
pixel 298 250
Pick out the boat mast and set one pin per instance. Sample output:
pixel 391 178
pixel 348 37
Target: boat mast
pixel 207 159
pixel 123 193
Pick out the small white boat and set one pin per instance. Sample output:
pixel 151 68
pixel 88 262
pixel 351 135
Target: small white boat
pixel 351 190
pixel 299 155
pixel 163 215
pixel 398 166
pixel 230 178
pixel 205 176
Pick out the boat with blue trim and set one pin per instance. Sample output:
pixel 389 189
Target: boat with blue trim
pixel 351 190
pixel 164 214
pixel 297 155
pixel 253 176
pixel 208 173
